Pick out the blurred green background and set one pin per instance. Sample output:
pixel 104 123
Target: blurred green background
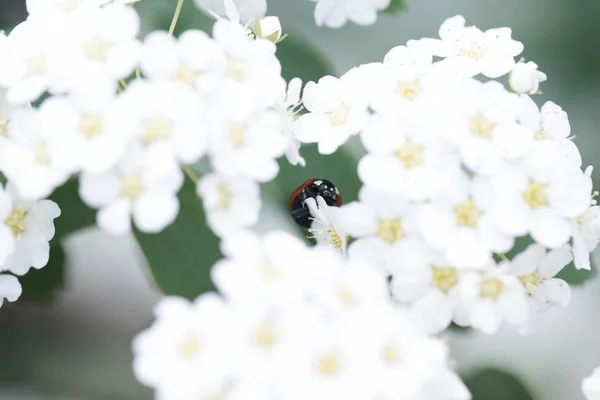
pixel 77 346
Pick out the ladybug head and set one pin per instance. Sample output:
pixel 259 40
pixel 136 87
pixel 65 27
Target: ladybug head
pixel 325 189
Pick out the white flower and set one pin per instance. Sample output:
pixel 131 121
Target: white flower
pixel 525 78
pixel 445 386
pixel 585 230
pixel 425 281
pixel 31 223
pixel 484 126
pixel 34 156
pixel 229 203
pixel 103 41
pixel 187 340
pixel 45 7
pixel 248 147
pixel 335 14
pixel 193 58
pixel 468 51
pixel 129 190
pixel 338 110
pixel 492 298
pixel 7 236
pixel 270 270
pixel 379 222
pixel 167 121
pixel 269 28
pixel 536 270
pixel 551 125
pixel 405 157
pixel 540 196
pixel 327 225
pixel 10 288
pixel 248 9
pixel 288 110
pixel 459 224
pixel 591 386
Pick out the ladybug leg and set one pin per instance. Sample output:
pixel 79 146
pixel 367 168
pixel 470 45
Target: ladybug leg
pixel 302 216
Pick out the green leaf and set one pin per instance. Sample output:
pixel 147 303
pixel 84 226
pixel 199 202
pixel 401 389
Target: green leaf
pixel 396 6
pixel 299 59
pixel 493 384
pixel 74 214
pixel 44 285
pixel 181 256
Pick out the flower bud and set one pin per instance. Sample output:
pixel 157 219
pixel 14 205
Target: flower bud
pixel 268 28
pixel 525 78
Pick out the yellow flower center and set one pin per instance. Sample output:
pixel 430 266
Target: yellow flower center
pixel 410 155
pixel 270 271
pixel 132 186
pixel 190 347
pixel 444 278
pixel 535 195
pixel 329 365
pixel 467 214
pixel 185 74
pixel 530 282
pixel 391 354
pixel 96 49
pixel 214 397
pixel 265 337
pixel 540 135
pixel 237 135
pixel 224 197
pixel 472 52
pixel 481 127
pixel 347 298
pixel 3 127
pixel 41 154
pixel 70 5
pixel 491 288
pixel 340 115
pixel 157 128
pixel 16 222
pixel 390 230
pixel 90 125
pixel 36 66
pixel 236 69
pixel 409 90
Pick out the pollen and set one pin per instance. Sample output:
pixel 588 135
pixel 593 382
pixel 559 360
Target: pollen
pixel 472 52
pixel 390 230
pixel 265 337
pixel 132 186
pixel 491 288
pixel 329 365
pixel 90 125
pixel 540 135
pixel 41 154
pixel 96 49
pixel 335 239
pixel 185 74
pixel 36 66
pixel 530 282
pixel 237 135
pixel 269 271
pixel 347 298
pixel 224 197
pixel 157 129
pixel 481 127
pixel 410 155
pixel 3 126
pixel 444 278
pixel 409 90
pixel 16 222
pixel 190 347
pixel 236 69
pixel 535 195
pixel 467 214
pixel 391 354
pixel 70 5
pixel 340 115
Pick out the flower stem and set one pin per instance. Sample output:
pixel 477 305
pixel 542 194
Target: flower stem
pixel 190 173
pixel 176 17
pixel 503 257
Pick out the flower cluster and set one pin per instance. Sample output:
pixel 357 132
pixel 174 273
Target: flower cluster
pixel 591 385
pixel 293 322
pixel 458 173
pixel 126 116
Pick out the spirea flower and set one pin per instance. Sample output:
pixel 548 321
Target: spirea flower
pixel 289 329
pixel 525 78
pixel 10 288
pixel 335 14
pixel 591 385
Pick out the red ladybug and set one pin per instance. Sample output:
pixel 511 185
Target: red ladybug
pixel 311 189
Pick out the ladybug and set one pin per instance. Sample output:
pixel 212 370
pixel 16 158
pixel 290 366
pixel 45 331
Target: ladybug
pixel 311 189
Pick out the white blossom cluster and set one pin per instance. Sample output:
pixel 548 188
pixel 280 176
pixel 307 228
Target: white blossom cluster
pixel 127 115
pixel 590 386
pixel 455 171
pixel 292 322
pixel 328 13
